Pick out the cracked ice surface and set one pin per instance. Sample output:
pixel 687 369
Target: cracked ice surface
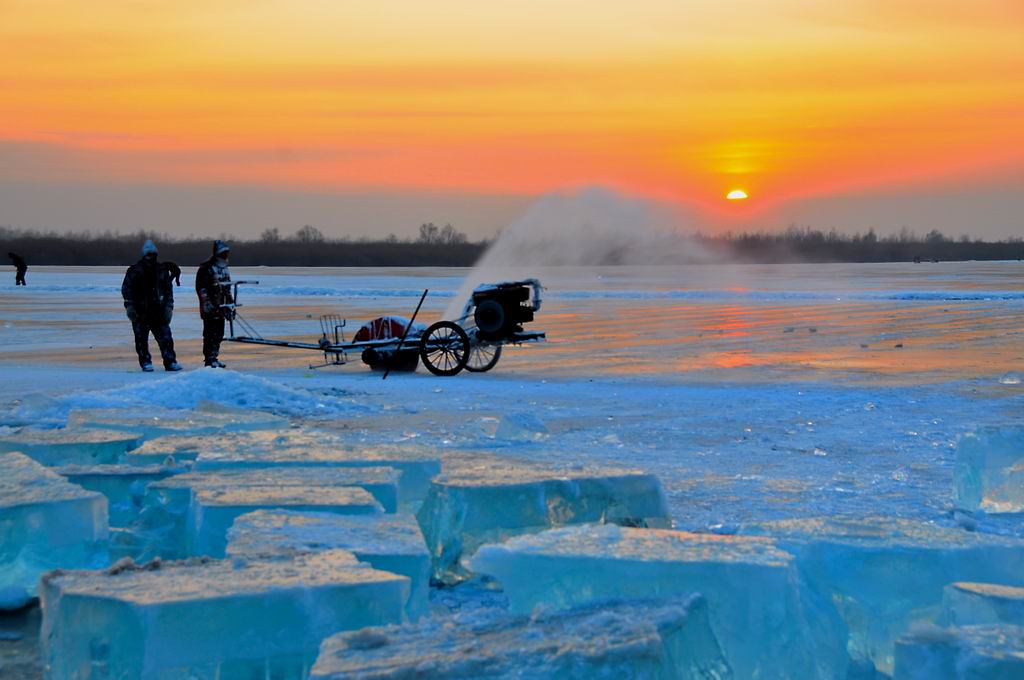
pixel 45 523
pixel 884 573
pixel 281 448
pixel 72 446
pixel 388 542
pixel 768 623
pixel 989 472
pixel 990 652
pixel 965 603
pixel 654 640
pixel 211 618
pixel 486 503
pixel 159 422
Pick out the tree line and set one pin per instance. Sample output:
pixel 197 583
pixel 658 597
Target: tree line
pixel 445 246
pixel 306 247
pixel 804 244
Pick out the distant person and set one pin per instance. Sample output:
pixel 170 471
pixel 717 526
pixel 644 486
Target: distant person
pixel 213 285
pixel 148 293
pixel 20 268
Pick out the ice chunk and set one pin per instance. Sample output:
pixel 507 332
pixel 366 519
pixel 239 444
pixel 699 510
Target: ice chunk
pixel 72 445
pixel 966 603
pixel 172 523
pixel 666 639
pixel 989 472
pixel 521 427
pixel 993 652
pixel 45 523
pixel 123 485
pixel 381 482
pixel 215 510
pixel 160 422
pixel 387 542
pixel 295 447
pixel 211 618
pixel 486 504
pixel 769 626
pixel 884 573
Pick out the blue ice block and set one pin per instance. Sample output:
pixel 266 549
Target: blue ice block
pixel 487 504
pixel 883 573
pixel 72 445
pixel 653 640
pixel 387 542
pixel 989 472
pixel 123 485
pixel 215 510
pixel 210 619
pixel 990 652
pixel 768 623
pixel 45 523
pixel 965 603
pixel 283 448
pixel 172 526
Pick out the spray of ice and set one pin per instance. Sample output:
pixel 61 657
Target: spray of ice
pixel 589 228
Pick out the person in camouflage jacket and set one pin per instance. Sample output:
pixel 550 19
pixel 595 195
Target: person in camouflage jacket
pixel 213 286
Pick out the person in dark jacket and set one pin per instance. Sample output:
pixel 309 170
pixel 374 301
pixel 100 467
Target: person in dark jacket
pixel 213 286
pixel 20 268
pixel 148 293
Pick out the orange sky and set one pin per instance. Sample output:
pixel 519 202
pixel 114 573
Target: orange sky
pixel 681 101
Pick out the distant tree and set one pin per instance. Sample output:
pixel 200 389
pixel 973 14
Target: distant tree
pixel 450 236
pixel 272 235
pixel 428 233
pixel 390 238
pixel 309 234
pixel 935 236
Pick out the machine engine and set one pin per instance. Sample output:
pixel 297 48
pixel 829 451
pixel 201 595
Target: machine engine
pixel 502 309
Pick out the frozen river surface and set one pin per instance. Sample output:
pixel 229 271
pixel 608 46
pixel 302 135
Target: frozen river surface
pixel 752 391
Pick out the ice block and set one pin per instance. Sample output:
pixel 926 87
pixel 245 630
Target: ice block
pixel 210 619
pixel 45 523
pixel 387 542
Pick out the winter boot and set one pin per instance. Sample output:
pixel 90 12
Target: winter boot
pixel 148 368
pixel 173 366
pixel 216 363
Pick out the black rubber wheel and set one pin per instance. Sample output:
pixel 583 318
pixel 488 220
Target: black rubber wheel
pixel 483 358
pixel 444 348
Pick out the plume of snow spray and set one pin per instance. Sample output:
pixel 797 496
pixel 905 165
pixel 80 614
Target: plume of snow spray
pixel 590 228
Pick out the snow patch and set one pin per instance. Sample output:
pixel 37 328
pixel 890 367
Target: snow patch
pixel 187 390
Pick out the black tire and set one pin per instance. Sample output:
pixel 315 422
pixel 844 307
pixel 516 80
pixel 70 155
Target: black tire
pixel 444 348
pixel 483 358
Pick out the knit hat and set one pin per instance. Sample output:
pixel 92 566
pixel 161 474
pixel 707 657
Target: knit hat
pixel 148 248
pixel 220 247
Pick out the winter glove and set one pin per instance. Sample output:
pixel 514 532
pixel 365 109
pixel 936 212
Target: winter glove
pixel 208 308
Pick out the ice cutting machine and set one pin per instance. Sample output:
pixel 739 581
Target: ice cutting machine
pixel 493 316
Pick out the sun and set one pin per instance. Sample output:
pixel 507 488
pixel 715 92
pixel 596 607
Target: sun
pixel 736 195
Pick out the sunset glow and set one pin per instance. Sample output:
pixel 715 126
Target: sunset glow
pixel 736 195
pixel 662 99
